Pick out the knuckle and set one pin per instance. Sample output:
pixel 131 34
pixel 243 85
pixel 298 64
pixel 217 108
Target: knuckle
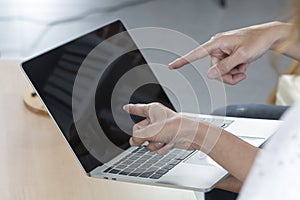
pixel 223 68
pixel 134 141
pixel 135 127
pixel 176 120
pixel 216 36
pixel 213 39
pixel 219 34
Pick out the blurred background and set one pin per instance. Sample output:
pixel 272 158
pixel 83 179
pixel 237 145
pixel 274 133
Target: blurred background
pixel 29 27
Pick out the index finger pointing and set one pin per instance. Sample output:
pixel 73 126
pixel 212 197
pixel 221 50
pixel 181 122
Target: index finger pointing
pixel 198 53
pixel 137 109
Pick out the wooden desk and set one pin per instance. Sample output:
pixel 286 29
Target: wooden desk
pixel 36 163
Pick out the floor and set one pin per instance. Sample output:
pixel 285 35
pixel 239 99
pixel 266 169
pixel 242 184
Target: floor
pixel 31 26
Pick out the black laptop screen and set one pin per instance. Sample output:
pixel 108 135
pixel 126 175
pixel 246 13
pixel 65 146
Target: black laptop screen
pixel 53 75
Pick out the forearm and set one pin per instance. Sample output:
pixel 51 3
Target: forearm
pixel 232 153
pixel 293 51
pixel 230 183
pixel 286 41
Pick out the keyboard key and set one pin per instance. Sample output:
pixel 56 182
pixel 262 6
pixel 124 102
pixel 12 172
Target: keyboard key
pixel 156 176
pixel 168 167
pixel 159 164
pixel 158 156
pixel 114 171
pixel 161 171
pixel 135 165
pixel 146 165
pixel 186 154
pixel 143 150
pixel 129 169
pixel 134 174
pixel 137 172
pixel 127 162
pixel 165 160
pixel 108 169
pixel 135 157
pixel 117 163
pixel 140 170
pixel 123 173
pixel 139 162
pixel 146 174
pixel 151 169
pixel 183 155
pixel 174 162
pixel 136 150
pixel 120 167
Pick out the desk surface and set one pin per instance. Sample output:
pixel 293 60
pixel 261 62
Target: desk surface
pixel 36 163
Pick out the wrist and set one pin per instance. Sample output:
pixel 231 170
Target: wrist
pixel 207 137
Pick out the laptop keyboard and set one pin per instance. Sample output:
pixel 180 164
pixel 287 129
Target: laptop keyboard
pixel 146 164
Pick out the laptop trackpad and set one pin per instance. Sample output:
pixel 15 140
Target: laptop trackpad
pixel 201 177
pixel 200 158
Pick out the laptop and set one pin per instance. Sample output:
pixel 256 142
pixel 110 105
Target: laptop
pixel 84 84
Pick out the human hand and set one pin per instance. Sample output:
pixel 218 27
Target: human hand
pixel 231 52
pixel 163 128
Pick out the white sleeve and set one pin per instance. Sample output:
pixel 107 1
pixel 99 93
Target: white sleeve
pixel 276 171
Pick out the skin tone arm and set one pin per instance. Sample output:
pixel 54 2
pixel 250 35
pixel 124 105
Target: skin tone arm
pixel 231 184
pixel 285 31
pixel 231 52
pixel 165 129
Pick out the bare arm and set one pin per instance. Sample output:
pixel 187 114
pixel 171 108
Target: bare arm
pixel 230 183
pixel 232 153
pixel 165 129
pixel 287 42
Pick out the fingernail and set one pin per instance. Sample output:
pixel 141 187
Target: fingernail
pixel 131 142
pixel 170 67
pixel 213 73
pixel 126 108
pixel 172 63
pixel 146 143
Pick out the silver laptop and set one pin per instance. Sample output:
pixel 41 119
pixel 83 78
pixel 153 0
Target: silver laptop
pixel 85 82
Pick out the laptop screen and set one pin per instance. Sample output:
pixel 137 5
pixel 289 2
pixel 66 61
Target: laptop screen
pixel 54 74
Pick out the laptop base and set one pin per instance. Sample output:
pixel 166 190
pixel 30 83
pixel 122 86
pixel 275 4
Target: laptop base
pixel 199 195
